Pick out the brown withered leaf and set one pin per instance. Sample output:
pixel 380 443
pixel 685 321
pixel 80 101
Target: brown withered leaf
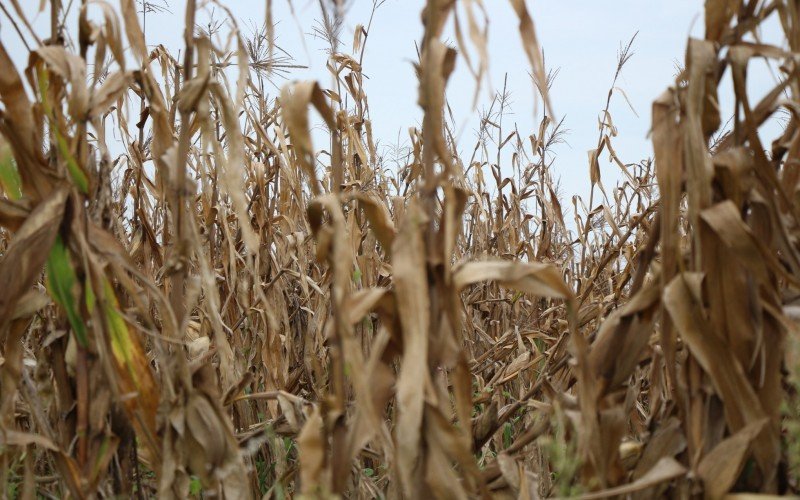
pixel 531 45
pixel 295 100
pixel 72 68
pixel 16 438
pixel 667 441
pixel 21 130
pixel 742 406
pixel 211 449
pixel 720 468
pixel 718 17
pixel 438 62
pixel 411 295
pixel 537 279
pixel 379 218
pixel 134 31
pixel 623 335
pixel 725 221
pixel 233 166
pixel 311 443
pixel 664 470
pixel 360 303
pixel 28 250
pixel 113 87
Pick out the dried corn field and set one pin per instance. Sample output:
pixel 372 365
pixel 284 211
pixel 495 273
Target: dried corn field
pixel 203 295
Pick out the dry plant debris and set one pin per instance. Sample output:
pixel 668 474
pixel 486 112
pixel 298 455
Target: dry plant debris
pixel 197 300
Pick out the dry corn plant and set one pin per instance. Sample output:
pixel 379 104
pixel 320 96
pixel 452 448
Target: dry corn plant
pixel 197 301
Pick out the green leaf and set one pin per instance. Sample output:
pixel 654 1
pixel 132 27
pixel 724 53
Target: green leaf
pixel 61 282
pixel 77 174
pixel 121 344
pixel 507 435
pixel 75 171
pixel 9 175
pixel 195 486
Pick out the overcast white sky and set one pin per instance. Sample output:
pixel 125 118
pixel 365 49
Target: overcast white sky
pixel 579 37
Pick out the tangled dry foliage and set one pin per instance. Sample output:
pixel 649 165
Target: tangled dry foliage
pixel 196 301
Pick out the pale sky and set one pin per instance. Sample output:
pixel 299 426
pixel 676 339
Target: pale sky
pixel 579 37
